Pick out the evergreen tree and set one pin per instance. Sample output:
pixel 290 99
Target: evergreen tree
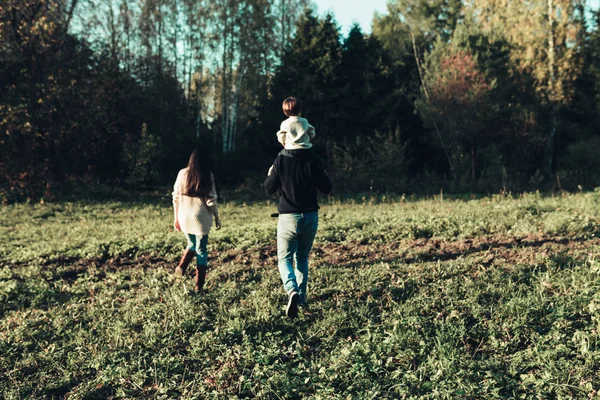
pixel 358 68
pixel 372 99
pixel 310 70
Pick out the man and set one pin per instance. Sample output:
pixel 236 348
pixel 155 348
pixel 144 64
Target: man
pixel 298 174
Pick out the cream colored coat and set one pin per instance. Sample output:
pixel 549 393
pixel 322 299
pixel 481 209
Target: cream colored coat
pixel 192 212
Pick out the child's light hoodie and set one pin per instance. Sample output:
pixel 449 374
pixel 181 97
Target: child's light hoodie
pixel 296 133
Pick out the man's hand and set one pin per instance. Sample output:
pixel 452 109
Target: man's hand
pixel 270 170
pixel 217 223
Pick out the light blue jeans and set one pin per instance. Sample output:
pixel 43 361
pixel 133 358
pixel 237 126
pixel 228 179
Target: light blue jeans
pixel 295 236
pixel 199 246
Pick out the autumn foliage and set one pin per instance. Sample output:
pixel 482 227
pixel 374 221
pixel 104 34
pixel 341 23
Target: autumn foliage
pixel 460 88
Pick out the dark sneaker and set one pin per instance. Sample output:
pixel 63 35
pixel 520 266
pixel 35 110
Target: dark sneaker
pixel 292 307
pixel 302 300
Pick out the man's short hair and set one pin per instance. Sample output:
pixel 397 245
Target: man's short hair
pixel 291 107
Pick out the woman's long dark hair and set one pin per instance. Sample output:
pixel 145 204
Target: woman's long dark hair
pixel 199 178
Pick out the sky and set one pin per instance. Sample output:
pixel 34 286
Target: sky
pixel 347 12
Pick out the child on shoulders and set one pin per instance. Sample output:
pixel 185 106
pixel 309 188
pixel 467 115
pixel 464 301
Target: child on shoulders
pixel 295 133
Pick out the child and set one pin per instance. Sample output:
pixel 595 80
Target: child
pixel 194 205
pixel 295 133
pixel 298 174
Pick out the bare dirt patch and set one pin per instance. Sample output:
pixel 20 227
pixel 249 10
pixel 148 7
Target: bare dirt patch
pixel 349 255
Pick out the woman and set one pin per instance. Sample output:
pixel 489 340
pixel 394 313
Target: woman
pixel 194 206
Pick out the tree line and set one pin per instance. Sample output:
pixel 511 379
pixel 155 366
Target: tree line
pixel 484 95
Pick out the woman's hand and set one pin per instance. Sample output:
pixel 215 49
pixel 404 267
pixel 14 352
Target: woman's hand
pixel 176 226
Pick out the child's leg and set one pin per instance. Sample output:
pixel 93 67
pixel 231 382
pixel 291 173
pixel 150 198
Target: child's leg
pixel 187 256
pixel 191 241
pixel 201 262
pixel 307 231
pixel 202 252
pixel 286 247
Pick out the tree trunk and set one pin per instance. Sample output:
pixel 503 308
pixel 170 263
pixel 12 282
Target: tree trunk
pixel 234 111
pixel 473 156
pixel 437 130
pixel 224 92
pixel 127 33
pixel 550 159
pixel 70 14
pixel 113 32
pixel 283 27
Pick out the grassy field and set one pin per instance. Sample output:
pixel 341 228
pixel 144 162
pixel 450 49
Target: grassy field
pixel 496 297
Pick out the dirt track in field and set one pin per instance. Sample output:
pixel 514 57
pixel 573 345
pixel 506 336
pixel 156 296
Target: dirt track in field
pixel 482 250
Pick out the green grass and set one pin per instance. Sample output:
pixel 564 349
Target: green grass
pixel 496 297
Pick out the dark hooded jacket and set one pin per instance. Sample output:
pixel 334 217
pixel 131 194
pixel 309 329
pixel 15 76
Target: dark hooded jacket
pixel 298 173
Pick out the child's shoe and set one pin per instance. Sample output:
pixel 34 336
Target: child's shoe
pixel 188 255
pixel 292 308
pixel 200 277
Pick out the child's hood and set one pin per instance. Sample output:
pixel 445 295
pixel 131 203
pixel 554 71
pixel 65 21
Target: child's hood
pixel 295 120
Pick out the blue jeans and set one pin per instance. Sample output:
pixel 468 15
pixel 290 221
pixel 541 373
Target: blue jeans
pixel 295 236
pixel 199 246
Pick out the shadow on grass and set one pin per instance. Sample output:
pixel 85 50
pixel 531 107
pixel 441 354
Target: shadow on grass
pixel 354 256
pixel 43 290
pixel 61 390
pixel 248 264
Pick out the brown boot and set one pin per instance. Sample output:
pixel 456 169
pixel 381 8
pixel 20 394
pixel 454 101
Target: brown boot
pixel 188 255
pixel 200 277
